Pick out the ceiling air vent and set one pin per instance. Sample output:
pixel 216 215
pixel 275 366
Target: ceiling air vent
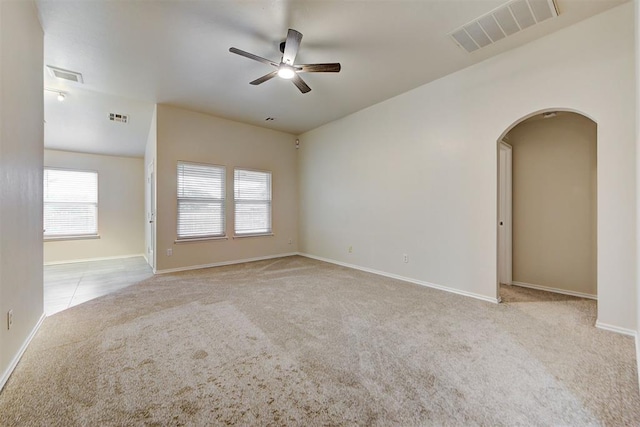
pixel 59 73
pixel 504 21
pixel 120 118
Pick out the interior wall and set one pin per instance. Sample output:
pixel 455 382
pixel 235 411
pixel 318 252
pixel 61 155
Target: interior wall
pixel 120 208
pixel 416 174
pixel 195 137
pixel 21 145
pixel 149 159
pixel 555 203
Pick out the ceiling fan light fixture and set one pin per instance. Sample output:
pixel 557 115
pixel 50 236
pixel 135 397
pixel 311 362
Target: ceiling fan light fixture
pixel 286 68
pixel 286 72
pixel 61 95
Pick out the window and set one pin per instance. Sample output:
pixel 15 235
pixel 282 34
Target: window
pixel 252 196
pixel 201 194
pixel 70 203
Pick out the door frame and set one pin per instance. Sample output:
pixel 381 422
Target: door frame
pixel 151 217
pixel 505 215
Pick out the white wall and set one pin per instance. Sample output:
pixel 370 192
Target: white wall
pixel 417 174
pixel 555 203
pixel 195 137
pixel 21 145
pixel 120 208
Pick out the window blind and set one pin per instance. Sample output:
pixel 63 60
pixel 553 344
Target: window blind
pixel 252 197
pixel 70 203
pixel 201 204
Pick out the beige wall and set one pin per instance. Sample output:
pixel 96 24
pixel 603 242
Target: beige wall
pixel 554 203
pixel 417 174
pixel 120 207
pixel 190 136
pixel 21 145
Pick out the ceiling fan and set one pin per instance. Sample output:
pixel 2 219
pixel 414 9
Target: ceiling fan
pixel 287 69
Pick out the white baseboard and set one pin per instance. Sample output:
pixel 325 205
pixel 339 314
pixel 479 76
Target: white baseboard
pixel 404 279
pixel 73 261
pixel 638 353
pixel 7 373
pixel 555 290
pixel 613 328
pixel 223 263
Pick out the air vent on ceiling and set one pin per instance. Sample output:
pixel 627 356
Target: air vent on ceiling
pixel 120 118
pixel 65 74
pixel 504 21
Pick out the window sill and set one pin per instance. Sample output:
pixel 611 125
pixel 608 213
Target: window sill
pixel 243 236
pixel 62 238
pixel 200 239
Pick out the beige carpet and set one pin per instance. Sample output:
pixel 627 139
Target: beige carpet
pixel 295 341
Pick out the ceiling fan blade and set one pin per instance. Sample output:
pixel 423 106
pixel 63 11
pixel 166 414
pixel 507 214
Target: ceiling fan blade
pixel 264 78
pixel 319 68
pixel 291 46
pixel 252 56
pixel 300 84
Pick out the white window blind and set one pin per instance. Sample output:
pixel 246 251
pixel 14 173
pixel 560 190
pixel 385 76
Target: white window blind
pixel 252 196
pixel 201 194
pixel 70 203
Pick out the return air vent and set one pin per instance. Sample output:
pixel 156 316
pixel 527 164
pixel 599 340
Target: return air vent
pixel 59 73
pixel 117 117
pixel 504 21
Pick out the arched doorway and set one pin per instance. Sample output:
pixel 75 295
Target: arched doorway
pixel 547 204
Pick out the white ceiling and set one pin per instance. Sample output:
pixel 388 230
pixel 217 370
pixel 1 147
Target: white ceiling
pixel 81 123
pixel 134 54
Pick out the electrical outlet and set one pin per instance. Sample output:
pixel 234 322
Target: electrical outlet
pixel 290 241
pixel 350 249
pixel 405 258
pixel 169 252
pixel 9 319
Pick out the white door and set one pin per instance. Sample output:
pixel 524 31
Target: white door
pixel 151 216
pixel 504 215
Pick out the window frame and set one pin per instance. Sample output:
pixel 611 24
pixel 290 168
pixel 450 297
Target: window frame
pixel 73 236
pixel 237 235
pixel 202 237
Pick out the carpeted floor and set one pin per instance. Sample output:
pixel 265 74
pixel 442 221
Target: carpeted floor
pixel 295 341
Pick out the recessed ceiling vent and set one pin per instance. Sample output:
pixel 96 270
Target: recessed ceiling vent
pixel 504 21
pixel 120 118
pixel 60 73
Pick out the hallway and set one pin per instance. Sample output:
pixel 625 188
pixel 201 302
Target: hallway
pixel 67 285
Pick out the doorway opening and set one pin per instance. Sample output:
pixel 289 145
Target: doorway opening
pixel 93 209
pixel 547 205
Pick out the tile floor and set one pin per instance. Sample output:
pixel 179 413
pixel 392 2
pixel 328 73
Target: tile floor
pixel 66 285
